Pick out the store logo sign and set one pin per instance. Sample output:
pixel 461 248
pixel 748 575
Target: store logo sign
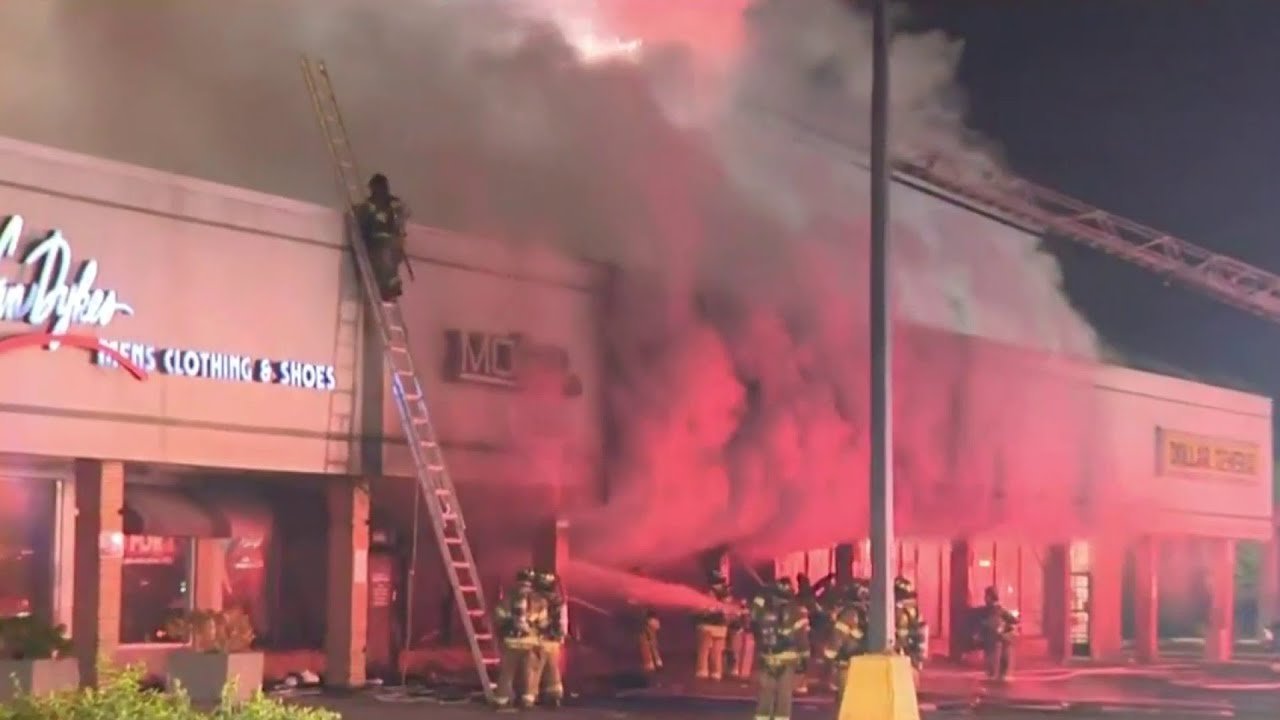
pixel 53 298
pixel 505 360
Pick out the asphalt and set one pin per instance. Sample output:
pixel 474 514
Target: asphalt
pixel 1173 691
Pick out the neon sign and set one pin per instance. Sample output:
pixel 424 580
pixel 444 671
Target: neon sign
pixel 55 300
pixel 52 298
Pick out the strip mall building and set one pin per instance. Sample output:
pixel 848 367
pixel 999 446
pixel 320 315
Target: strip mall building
pixel 191 414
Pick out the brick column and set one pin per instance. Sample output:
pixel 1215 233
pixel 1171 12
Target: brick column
pixel 1220 631
pixel 1146 600
pixel 959 632
pixel 99 560
pixel 1106 591
pixel 1057 601
pixel 348 580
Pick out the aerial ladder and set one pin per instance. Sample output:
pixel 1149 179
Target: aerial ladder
pixel 1041 211
pixel 435 486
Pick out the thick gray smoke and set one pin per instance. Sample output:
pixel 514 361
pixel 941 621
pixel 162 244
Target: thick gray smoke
pixel 641 136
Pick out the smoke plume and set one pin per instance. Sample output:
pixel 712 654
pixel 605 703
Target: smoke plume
pixel 649 139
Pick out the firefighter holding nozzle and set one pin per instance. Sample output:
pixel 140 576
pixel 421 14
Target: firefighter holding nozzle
pixel 544 676
pixel 997 629
pixel 781 625
pixel 519 620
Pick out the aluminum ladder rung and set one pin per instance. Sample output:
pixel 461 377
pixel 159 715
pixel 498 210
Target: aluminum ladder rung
pixel 415 416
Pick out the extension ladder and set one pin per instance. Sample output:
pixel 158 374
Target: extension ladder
pixel 436 487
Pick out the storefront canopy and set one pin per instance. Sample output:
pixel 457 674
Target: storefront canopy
pixel 169 512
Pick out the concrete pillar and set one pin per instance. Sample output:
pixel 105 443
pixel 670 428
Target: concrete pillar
pixel 958 632
pixel 348 591
pixel 1057 601
pixel 211 570
pixel 844 563
pixel 1220 630
pixel 1106 578
pixel 1269 583
pixel 1146 600
pixel 99 561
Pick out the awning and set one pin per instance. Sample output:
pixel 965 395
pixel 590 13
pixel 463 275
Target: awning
pixel 169 512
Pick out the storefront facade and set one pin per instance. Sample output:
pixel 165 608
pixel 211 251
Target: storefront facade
pixel 186 366
pixel 1194 465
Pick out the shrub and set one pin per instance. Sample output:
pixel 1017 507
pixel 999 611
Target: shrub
pixel 121 696
pixel 30 638
pixel 213 631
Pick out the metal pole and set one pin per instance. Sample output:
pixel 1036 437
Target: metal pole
pixel 410 582
pixel 882 603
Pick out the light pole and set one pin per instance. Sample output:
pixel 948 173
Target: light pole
pixel 881 466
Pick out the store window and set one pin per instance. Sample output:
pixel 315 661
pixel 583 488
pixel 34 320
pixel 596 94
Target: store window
pixel 1016 571
pixel 27 531
pixel 156 586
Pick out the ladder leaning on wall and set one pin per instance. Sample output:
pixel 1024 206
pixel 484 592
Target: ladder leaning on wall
pixel 435 486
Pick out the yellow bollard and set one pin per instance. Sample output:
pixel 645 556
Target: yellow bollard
pixel 879 687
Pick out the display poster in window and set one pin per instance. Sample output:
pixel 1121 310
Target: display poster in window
pixel 150 550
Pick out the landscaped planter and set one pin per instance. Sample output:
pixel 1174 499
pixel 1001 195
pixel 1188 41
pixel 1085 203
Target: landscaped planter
pixel 204 674
pixel 37 677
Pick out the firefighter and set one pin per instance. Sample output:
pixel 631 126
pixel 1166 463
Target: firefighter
pixel 742 642
pixel 643 622
pixel 545 675
pixel 647 636
pixel 912 632
pixel 997 628
pixel 713 629
pixel 782 643
pixel 382 220
pixel 848 636
pixel 517 622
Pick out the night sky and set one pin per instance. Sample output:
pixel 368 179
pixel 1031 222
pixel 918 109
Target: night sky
pixel 1165 111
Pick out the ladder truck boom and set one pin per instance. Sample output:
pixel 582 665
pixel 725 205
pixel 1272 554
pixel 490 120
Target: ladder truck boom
pixel 1041 211
pixel 1044 211
pixel 435 487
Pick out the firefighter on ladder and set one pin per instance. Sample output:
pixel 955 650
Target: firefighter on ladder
pixel 545 674
pixel 518 622
pixel 382 220
pixel 782 644
pixel 713 629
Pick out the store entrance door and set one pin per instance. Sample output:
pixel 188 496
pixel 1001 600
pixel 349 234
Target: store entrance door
pixel 1078 617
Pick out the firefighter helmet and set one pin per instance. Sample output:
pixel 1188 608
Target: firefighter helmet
pixel 379 182
pixel 990 595
pixel 903 587
pixel 783 586
pixel 525 575
pixel 546 580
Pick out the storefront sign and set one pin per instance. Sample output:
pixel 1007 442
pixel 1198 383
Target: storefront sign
pixel 1185 453
pixel 216 366
pixel 150 550
pixel 53 300
pixel 503 360
pixel 49 300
